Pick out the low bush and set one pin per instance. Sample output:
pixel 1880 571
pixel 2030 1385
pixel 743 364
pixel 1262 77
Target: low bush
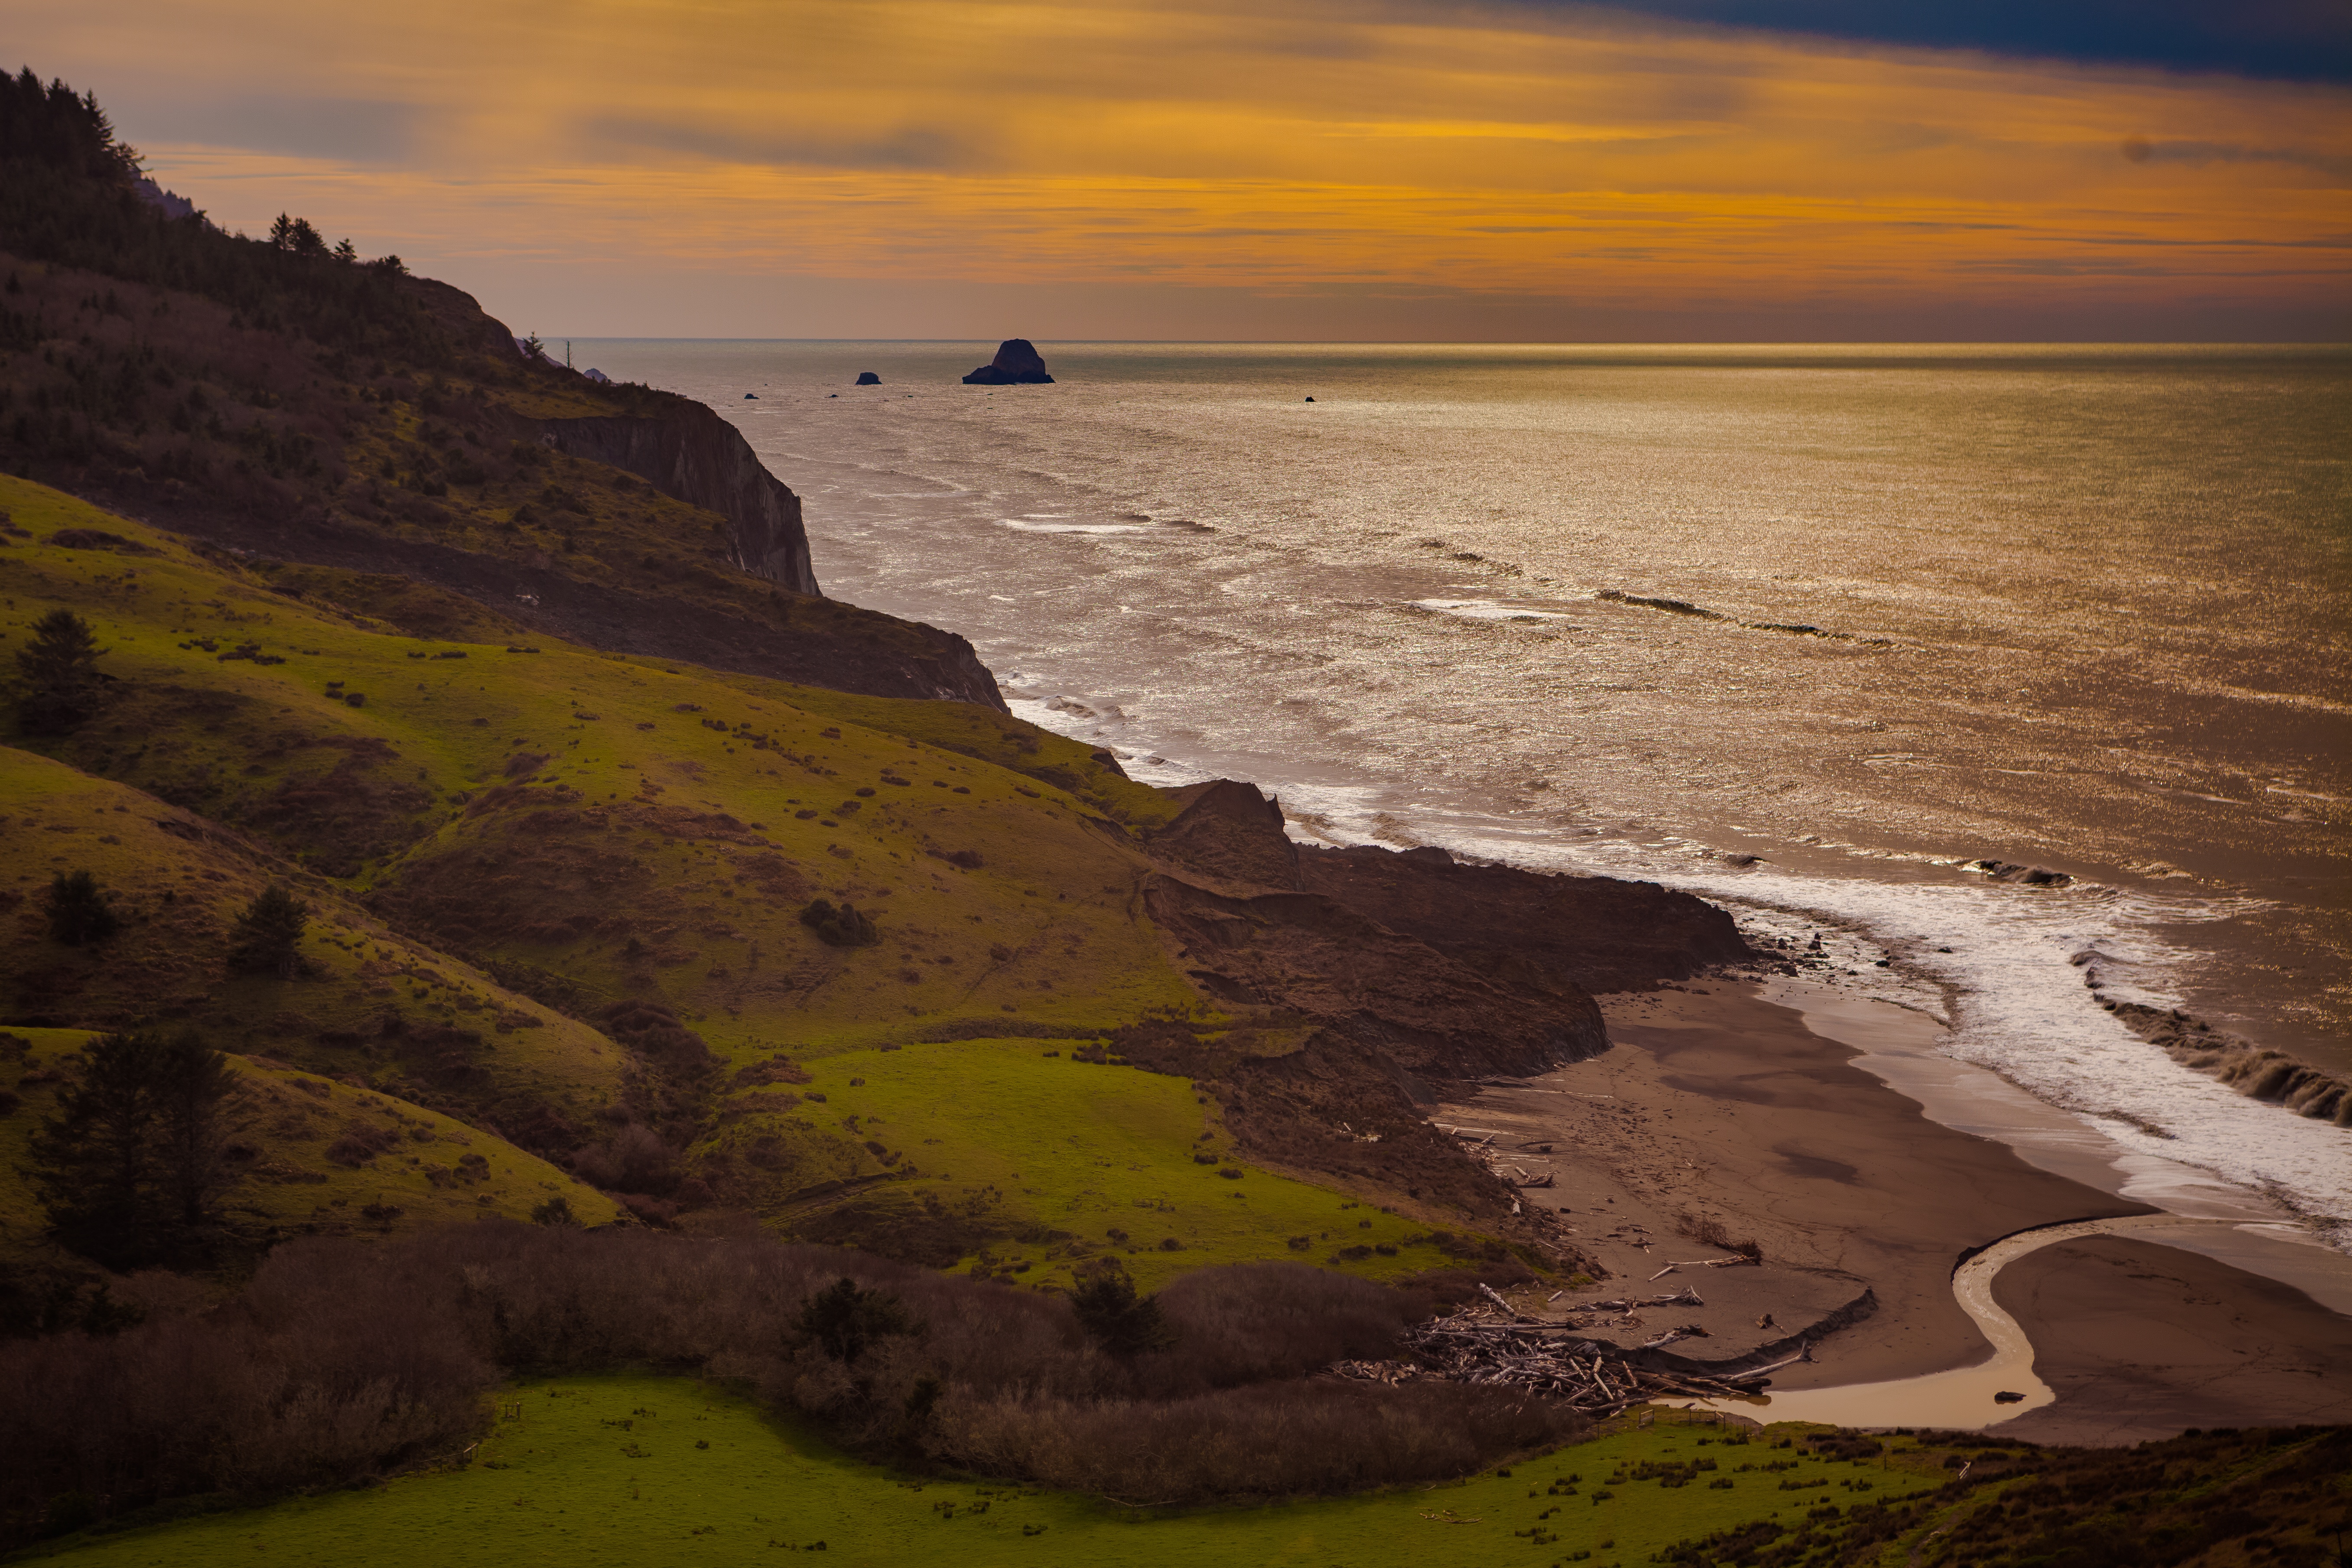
pixel 343 1359
pixel 845 927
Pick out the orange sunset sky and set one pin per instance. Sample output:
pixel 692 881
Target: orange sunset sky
pixel 1277 169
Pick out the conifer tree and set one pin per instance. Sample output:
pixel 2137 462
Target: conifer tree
pixel 195 1092
pixel 78 910
pixel 95 1161
pixel 1121 1321
pixel 60 672
pixel 268 935
pixel 132 1168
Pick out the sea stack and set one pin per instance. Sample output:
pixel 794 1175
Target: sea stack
pixel 1016 364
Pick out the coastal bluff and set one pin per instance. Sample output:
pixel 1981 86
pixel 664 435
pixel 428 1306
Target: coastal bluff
pixel 691 454
pixel 1017 363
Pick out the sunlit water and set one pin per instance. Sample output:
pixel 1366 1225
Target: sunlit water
pixel 2077 607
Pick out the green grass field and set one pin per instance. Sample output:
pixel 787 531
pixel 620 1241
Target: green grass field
pixel 644 1471
pixel 1087 1150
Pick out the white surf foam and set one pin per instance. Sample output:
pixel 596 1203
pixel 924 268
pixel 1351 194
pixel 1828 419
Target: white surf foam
pixel 1485 610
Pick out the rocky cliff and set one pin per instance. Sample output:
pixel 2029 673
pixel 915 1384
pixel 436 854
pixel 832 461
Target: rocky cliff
pixel 692 454
pixel 301 409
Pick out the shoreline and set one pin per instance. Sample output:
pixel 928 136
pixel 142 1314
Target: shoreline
pixel 1855 1178
pixel 2034 964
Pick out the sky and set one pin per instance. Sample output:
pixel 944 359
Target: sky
pixel 1402 169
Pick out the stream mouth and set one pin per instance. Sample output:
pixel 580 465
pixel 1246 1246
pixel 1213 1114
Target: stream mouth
pixel 1904 1049
pixel 1961 1399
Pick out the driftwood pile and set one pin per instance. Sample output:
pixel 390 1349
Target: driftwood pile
pixel 1491 1343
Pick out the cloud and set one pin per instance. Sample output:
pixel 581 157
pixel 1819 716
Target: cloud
pixel 2295 40
pixel 901 147
pixel 1635 165
pixel 348 129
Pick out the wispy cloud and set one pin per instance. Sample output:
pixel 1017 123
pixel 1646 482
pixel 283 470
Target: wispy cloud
pixel 1524 152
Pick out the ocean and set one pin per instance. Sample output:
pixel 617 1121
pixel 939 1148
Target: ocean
pixel 1806 630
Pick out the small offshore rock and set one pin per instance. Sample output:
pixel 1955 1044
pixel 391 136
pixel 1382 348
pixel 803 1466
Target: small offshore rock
pixel 1017 363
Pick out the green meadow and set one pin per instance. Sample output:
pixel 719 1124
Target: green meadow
pixel 1109 1157
pixel 585 1472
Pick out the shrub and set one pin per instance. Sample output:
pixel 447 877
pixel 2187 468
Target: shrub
pixel 633 1160
pixel 843 927
pixel 1275 1439
pixel 344 1360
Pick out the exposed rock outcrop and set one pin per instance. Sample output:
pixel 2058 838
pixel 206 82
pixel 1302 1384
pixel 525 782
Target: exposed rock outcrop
pixel 1016 364
pixel 695 456
pixel 1583 934
pixel 1594 934
pixel 867 378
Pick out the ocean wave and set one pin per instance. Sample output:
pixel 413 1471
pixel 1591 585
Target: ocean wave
pixel 1999 953
pixel 1483 610
pixel 1699 612
pixel 1026 525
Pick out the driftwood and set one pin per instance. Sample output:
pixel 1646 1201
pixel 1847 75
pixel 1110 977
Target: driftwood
pixel 1494 1344
pixel 1686 1297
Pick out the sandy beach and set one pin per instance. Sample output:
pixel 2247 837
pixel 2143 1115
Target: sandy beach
pixel 1717 1107
pixel 1714 1105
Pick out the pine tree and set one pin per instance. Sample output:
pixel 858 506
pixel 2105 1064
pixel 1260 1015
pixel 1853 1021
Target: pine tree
pixel 95 1161
pixel 78 910
pixel 269 935
pixel 1121 1321
pixel 60 672
pixel 195 1094
pixel 844 1320
pixel 132 1168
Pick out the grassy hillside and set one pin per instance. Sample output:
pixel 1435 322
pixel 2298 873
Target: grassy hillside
pixel 320 1157
pixel 368 1002
pixel 559 893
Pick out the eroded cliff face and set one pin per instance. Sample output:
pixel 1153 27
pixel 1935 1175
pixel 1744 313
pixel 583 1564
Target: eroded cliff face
pixel 1366 983
pixel 697 457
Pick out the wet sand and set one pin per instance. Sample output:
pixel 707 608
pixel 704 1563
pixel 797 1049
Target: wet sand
pixel 2140 1341
pixel 1716 1105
